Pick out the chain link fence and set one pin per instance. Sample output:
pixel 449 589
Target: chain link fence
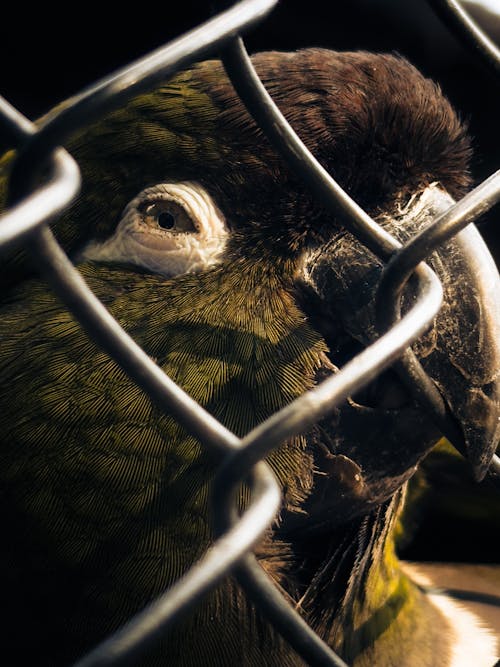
pixel 27 220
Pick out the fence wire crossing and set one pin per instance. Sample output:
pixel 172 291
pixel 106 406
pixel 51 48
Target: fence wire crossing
pixel 32 209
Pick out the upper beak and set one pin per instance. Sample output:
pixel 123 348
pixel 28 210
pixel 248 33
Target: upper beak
pixel 460 352
pixel 465 364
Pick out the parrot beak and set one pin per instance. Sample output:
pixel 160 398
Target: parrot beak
pixel 460 352
pixel 465 364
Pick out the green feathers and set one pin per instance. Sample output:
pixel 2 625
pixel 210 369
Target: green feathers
pixel 91 461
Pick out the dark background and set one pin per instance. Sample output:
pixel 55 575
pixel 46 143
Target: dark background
pixel 48 55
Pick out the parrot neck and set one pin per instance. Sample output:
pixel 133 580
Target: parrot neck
pixel 380 616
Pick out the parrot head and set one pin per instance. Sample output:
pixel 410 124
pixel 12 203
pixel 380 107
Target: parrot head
pixel 221 201
pixel 218 261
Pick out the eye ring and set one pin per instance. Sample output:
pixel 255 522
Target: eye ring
pixel 146 238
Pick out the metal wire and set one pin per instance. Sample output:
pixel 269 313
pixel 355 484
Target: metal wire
pixel 42 204
pixel 112 91
pixel 149 625
pixel 466 29
pixel 237 533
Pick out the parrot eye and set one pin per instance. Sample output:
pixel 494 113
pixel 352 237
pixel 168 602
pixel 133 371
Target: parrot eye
pixel 167 214
pixel 169 228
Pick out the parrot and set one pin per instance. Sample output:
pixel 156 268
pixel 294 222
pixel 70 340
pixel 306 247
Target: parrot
pixel 213 255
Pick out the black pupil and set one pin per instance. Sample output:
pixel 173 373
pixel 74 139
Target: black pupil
pixel 166 220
